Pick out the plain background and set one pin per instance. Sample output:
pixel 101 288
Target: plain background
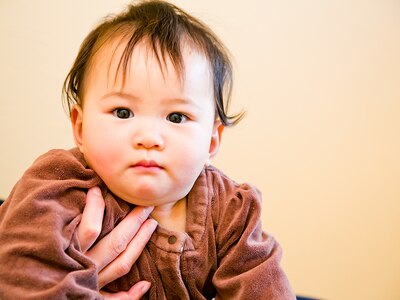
pixel 320 83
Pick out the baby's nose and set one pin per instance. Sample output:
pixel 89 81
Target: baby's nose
pixel 148 136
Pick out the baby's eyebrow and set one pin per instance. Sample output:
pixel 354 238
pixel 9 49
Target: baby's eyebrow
pixel 181 101
pixel 165 101
pixel 119 94
pixel 178 101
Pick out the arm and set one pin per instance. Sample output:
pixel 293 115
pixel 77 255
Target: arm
pixel 40 254
pixel 249 259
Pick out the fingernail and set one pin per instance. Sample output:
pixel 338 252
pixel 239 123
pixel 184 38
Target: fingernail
pixel 148 209
pixel 153 225
pixel 96 191
pixel 145 286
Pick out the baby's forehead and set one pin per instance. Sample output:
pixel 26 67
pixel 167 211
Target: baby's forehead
pixel 117 54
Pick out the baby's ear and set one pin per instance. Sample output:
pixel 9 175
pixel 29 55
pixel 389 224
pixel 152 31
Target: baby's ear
pixel 215 139
pixel 76 121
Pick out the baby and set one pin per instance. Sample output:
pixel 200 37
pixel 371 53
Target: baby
pixel 148 96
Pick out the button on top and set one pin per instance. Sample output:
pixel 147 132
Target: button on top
pixel 172 239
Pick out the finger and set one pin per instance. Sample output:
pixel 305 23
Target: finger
pixel 135 293
pixel 92 218
pixel 138 290
pixel 108 248
pixel 124 262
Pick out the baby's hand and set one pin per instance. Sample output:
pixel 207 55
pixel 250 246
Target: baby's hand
pixel 115 254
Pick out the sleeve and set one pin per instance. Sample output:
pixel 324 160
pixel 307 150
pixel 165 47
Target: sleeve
pixel 40 256
pixel 248 258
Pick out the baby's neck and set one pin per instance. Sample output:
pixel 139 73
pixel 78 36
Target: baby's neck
pixel 171 216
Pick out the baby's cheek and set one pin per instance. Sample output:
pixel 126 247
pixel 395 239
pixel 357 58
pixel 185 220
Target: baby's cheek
pixel 98 158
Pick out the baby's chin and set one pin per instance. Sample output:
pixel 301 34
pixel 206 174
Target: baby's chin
pixel 151 200
pixel 154 196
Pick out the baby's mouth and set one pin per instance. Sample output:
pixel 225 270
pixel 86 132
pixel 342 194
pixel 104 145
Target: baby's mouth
pixel 150 164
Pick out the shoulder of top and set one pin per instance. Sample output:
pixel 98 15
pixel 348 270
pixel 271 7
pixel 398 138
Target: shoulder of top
pixel 219 177
pixel 59 155
pixel 229 196
pixel 214 171
pixel 60 163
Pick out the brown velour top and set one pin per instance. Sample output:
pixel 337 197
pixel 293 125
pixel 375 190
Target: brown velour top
pixel 223 254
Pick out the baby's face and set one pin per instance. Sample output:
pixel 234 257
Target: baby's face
pixel 150 139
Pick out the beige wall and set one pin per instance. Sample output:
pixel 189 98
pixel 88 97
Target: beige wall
pixel 320 83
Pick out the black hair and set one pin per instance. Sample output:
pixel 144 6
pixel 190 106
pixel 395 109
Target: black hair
pixel 165 27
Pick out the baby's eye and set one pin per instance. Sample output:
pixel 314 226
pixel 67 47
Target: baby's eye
pixel 122 113
pixel 176 118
